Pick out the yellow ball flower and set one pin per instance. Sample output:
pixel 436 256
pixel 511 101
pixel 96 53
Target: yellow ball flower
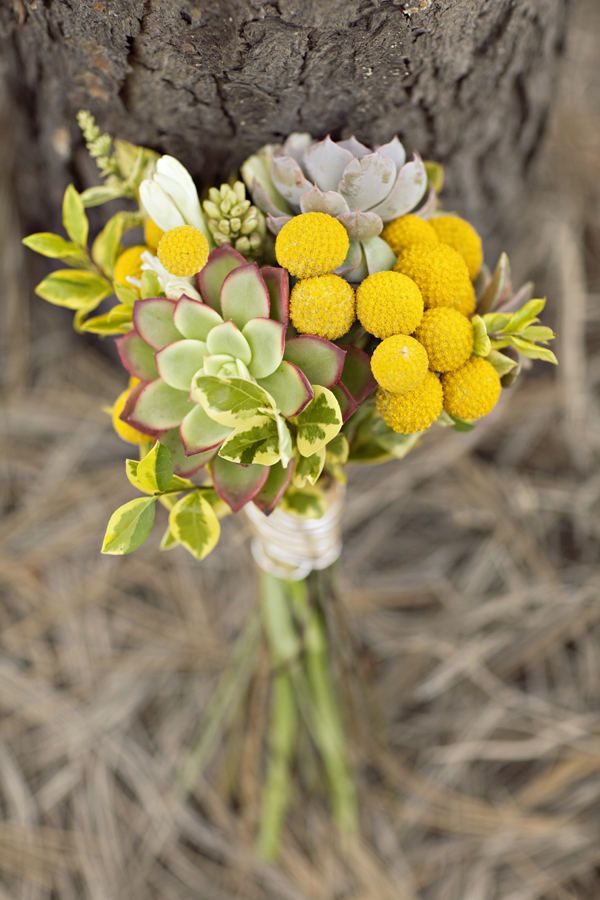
pixel 472 391
pixel 152 234
pixel 311 244
pixel 125 431
pixel 414 411
pixel 129 265
pixel 389 303
pixel 441 274
pixel 183 251
pixel 401 233
pixel 323 305
pixel 447 336
pixel 462 237
pixel 399 364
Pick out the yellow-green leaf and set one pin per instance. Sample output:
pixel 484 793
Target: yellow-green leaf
pixel 74 289
pixel 96 196
pixel 53 246
pixel 129 526
pixel 155 470
pixel 116 321
pixel 193 523
pixel 105 248
pixel 319 422
pixel 74 217
pixel 307 502
pixel 257 443
pixel 126 295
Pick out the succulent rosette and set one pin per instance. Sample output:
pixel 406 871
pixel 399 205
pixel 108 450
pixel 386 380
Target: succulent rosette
pixel 361 187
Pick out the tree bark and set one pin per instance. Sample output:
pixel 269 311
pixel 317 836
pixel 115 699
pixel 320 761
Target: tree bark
pixel 467 82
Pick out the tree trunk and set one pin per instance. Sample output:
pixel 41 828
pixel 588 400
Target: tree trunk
pixel 467 82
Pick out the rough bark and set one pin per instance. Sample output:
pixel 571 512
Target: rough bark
pixel 468 82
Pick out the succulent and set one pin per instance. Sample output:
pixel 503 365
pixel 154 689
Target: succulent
pixel 232 219
pixel 225 380
pixel 363 188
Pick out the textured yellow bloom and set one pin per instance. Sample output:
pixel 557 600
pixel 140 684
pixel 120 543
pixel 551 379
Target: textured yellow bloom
pixel 447 336
pixel 389 303
pixel 152 234
pixel 125 431
pixel 442 275
pixel 323 305
pixel 129 265
pixel 183 251
pixel 406 230
pixel 311 244
pixel 399 364
pixel 472 391
pixel 462 237
pixel 414 411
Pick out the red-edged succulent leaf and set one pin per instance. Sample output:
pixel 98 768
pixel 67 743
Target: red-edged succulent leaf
pixel 209 281
pixel 274 488
pixel 153 321
pixel 278 286
pixel 178 362
pixel 244 295
pixel 137 356
pixel 183 465
pixel 194 319
pixel 235 484
pixel 348 404
pixel 321 361
pixel 289 387
pixel 357 376
pixel 156 407
pixel 266 339
pixel 198 432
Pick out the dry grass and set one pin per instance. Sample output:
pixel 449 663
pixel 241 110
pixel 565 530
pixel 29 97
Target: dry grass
pixel 470 582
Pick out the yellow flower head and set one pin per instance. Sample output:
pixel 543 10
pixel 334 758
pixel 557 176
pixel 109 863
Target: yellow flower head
pixel 441 274
pixel 323 305
pixel 399 364
pixel 389 303
pixel 125 431
pixel 183 251
pixel 463 238
pixel 472 391
pixel 401 233
pixel 447 336
pixel 311 244
pixel 129 265
pixel 414 411
pixel 152 234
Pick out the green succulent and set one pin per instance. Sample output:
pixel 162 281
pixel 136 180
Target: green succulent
pixel 232 219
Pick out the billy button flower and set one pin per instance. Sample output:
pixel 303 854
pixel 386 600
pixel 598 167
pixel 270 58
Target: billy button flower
pixel 152 234
pixel 462 237
pixel 183 251
pixel 407 230
pixel 414 411
pixel 471 391
pixel 389 303
pixel 399 364
pixel 311 244
pixel 126 432
pixel 323 305
pixel 441 274
pixel 447 336
pixel 129 265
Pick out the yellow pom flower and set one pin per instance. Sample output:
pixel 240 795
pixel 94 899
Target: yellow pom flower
pixel 462 237
pixel 183 251
pixel 152 234
pixel 401 233
pixel 399 364
pixel 447 336
pixel 442 275
pixel 323 305
pixel 311 244
pixel 472 391
pixel 125 431
pixel 389 303
pixel 129 265
pixel 414 411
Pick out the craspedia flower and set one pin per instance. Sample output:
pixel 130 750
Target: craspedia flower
pixel 389 303
pixel 323 305
pixel 471 391
pixel 311 244
pixel 447 336
pixel 399 364
pixel 129 265
pixel 442 275
pixel 407 230
pixel 152 234
pixel 414 411
pixel 125 431
pixel 183 251
pixel 462 237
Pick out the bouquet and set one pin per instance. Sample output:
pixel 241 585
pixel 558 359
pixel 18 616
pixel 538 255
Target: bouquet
pixel 320 308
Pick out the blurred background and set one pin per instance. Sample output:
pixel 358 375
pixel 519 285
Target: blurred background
pixel 470 585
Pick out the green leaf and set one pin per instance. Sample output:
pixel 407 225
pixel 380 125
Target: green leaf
pixel 74 289
pixel 116 321
pixel 155 470
pixel 168 540
pixel 231 401
pixel 307 502
pixel 53 246
pixel 481 341
pixel 254 443
pixel 495 323
pixel 193 523
pixel 524 316
pixel 319 422
pixel 174 484
pixel 74 217
pixel 126 295
pixel 461 424
pixel 129 526
pixel 107 245
pixel 96 196
pixel 309 468
pixel 338 450
pixel 501 363
pixel 533 351
pixel 537 333
pixel 150 286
